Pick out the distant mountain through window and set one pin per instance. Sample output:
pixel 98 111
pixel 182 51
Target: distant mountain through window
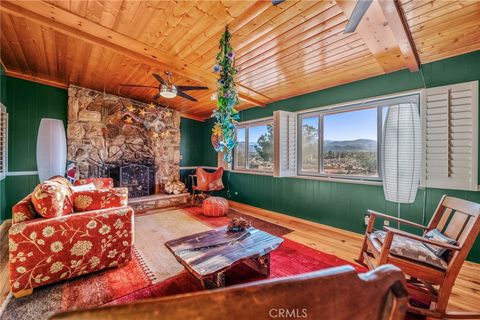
pixel 366 145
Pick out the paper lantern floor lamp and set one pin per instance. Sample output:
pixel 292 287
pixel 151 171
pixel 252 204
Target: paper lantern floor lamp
pixel 401 153
pixel 51 149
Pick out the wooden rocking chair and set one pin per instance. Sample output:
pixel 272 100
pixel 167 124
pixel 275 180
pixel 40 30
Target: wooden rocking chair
pixel 456 219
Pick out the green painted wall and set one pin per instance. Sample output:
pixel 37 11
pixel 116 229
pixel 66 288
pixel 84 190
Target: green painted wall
pixel 27 102
pixel 343 204
pixel 191 145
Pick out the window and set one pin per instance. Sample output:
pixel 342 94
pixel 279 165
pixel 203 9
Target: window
pixel 3 141
pixel 310 144
pixel 254 150
pixel 343 142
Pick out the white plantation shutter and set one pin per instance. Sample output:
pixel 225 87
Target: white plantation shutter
pixel 450 116
pixel 285 144
pixel 3 141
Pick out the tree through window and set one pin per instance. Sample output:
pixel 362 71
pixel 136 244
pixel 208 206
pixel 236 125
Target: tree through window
pixel 255 144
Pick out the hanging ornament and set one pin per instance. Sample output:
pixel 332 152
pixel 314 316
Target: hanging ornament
pixel 223 132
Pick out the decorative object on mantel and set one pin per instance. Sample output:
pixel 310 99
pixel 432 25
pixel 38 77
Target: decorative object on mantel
pixel 223 136
pixel 238 224
pixel 174 187
pixel 51 149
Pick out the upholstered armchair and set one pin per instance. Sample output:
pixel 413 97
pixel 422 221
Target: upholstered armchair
pixel 96 234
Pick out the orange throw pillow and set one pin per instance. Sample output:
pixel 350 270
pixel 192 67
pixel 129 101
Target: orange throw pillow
pixel 51 199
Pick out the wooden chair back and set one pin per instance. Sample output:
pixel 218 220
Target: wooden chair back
pixel 336 293
pixel 457 219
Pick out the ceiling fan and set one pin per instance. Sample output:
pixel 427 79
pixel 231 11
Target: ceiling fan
pixel 357 14
pixel 167 89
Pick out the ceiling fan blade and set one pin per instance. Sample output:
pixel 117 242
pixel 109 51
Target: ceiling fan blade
pixel 136 85
pixel 155 97
pixel 277 2
pixel 160 79
pixel 357 14
pixel 184 95
pixel 186 88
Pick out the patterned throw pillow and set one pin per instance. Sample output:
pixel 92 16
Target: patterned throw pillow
pixel 100 199
pixel 436 235
pixel 51 199
pixel 83 187
pixel 411 249
pixel 100 183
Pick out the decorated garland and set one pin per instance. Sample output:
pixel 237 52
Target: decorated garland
pixel 223 136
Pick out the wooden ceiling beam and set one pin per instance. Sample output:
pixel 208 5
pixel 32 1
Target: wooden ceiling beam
pixel 374 29
pixel 398 24
pixel 72 25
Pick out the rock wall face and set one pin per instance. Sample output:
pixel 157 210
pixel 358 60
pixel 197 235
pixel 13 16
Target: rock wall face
pixel 106 130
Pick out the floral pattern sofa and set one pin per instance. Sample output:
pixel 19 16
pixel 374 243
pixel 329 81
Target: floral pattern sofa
pixel 93 232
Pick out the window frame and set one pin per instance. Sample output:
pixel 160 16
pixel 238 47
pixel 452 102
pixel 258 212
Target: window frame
pixel 246 125
pixel 379 104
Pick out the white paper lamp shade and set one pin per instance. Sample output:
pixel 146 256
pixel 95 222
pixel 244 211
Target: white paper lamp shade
pixel 51 149
pixel 401 153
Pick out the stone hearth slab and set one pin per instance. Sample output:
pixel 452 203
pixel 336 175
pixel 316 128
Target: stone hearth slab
pixel 156 201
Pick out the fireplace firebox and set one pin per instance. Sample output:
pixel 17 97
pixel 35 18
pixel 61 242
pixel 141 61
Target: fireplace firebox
pixel 139 179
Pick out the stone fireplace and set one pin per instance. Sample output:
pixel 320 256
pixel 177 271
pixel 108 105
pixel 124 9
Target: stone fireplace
pixel 136 144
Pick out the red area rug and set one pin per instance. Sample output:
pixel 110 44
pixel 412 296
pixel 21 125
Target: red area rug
pixel 133 282
pixel 290 258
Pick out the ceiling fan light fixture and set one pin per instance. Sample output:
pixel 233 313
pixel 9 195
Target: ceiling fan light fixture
pixel 168 91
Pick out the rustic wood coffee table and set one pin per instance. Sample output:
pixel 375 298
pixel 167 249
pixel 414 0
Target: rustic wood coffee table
pixel 207 255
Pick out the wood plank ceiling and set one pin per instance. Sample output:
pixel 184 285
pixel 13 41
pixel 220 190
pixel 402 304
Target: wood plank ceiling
pixel 282 51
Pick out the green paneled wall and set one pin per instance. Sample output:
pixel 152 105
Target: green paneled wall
pixel 210 157
pixel 191 146
pixel 27 102
pixel 343 204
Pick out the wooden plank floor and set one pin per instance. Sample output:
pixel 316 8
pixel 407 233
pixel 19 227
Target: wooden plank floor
pixel 346 245
pixel 341 243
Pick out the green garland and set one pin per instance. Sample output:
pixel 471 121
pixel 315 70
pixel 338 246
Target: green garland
pixel 223 137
